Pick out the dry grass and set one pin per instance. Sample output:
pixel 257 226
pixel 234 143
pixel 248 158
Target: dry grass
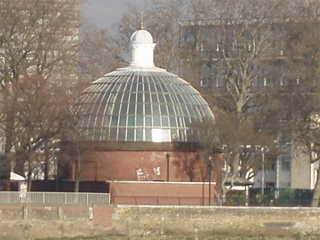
pixel 177 236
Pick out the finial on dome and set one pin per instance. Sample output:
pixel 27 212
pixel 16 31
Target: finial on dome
pixel 141 21
pixel 141 44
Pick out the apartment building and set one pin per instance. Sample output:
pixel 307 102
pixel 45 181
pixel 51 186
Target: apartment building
pixel 270 53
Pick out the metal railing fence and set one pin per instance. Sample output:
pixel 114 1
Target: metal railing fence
pixel 204 201
pixel 54 198
pixel 65 198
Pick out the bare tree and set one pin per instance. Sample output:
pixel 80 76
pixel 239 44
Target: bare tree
pixel 188 165
pixel 38 41
pixel 39 116
pixel 297 101
pixel 99 53
pixel 232 43
pixel 210 152
pixel 75 147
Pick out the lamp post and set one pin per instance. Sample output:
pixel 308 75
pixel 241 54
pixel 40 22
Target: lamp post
pixel 262 173
pixel 210 178
pixel 56 165
pixel 168 166
pixel 262 150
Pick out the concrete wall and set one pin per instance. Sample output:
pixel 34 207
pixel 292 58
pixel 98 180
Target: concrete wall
pixel 301 169
pixel 31 222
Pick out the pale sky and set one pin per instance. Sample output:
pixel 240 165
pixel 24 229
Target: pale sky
pixel 105 13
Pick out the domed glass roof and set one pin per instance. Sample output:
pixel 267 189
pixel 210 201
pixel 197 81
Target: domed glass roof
pixel 141 103
pixel 141 106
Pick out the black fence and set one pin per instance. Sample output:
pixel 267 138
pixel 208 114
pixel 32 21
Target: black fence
pixel 68 186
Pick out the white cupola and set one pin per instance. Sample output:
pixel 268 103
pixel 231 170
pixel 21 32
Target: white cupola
pixel 142 46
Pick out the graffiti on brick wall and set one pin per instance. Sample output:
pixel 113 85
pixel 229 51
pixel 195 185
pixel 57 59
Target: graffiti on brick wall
pixel 142 174
pixel 157 171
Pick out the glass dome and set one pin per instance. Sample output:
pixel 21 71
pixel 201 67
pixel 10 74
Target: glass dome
pixel 135 105
pixel 141 103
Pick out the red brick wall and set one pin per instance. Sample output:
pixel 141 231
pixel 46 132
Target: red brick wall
pixel 156 168
pixel 103 216
pixel 161 193
pixel 142 166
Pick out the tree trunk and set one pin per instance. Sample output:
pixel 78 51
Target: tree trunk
pixel 46 165
pixel 316 192
pixel 29 174
pixel 217 178
pixel 235 164
pixel 78 173
pixel 19 162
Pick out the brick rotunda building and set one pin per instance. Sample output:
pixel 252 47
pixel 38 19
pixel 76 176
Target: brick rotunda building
pixel 139 120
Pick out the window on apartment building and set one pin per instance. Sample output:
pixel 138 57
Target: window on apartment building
pixel 281 49
pixel 286 138
pixel 270 184
pixel 214 81
pixel 218 39
pixel 200 47
pixel 261 81
pixel 283 80
pixel 234 46
pixel 279 72
pixel 191 37
pixel 211 80
pixel 204 83
pixel 285 163
pixel 270 166
pixel 206 41
pixel 219 46
pixel 219 83
pixel 285 185
pixel 205 75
